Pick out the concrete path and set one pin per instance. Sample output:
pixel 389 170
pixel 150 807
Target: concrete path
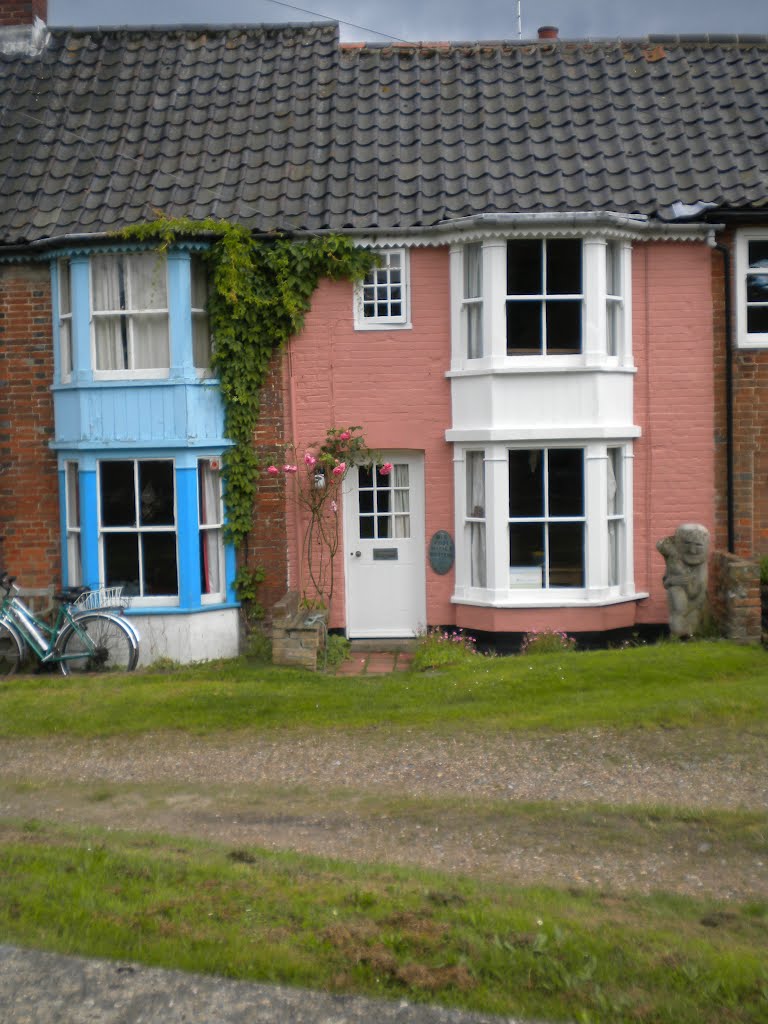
pixel 47 988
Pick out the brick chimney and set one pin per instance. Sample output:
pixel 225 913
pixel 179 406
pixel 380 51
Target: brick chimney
pixel 548 32
pixel 22 12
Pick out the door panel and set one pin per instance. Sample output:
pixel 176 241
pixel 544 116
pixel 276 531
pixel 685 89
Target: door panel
pixel 384 545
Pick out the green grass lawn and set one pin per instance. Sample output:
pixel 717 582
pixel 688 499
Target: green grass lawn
pixel 245 913
pixel 674 685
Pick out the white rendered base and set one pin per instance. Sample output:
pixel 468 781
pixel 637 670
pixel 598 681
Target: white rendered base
pixel 185 638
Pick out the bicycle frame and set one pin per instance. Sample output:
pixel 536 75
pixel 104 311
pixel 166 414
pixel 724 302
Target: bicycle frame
pixel 36 633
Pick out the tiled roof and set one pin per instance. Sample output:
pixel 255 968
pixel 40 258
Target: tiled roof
pixel 280 128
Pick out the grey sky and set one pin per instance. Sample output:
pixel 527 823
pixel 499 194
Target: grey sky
pixel 438 19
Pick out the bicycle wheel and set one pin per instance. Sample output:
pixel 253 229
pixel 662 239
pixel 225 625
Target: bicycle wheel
pixel 12 650
pixel 97 642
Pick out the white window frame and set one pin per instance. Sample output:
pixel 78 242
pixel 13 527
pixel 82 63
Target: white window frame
pixel 213 526
pixel 500 591
pixel 743 337
pixel 66 340
pixel 380 278
pixel 137 530
pixel 72 524
pixel 200 315
pixel 599 307
pixel 131 314
pixel 472 305
pixel 547 297
pixel 475 517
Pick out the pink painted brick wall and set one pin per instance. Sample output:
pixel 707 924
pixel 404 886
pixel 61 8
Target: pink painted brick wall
pixel 392 383
pixel 674 403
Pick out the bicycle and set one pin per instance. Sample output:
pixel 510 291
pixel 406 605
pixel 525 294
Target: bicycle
pixel 85 636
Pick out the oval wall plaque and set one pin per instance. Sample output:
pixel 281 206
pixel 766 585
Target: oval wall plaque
pixel 442 552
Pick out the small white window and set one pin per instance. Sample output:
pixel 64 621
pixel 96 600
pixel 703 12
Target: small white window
pixel 201 332
pixel 65 319
pixel 381 298
pixel 472 301
pixel 475 518
pixel 211 522
pixel 752 290
pixel 72 515
pixel 615 516
pixel 614 300
pixel 129 307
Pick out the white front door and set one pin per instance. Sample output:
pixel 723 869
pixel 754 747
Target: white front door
pixel 384 548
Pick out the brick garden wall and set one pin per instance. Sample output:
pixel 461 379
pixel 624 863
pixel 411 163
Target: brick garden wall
pixel 29 507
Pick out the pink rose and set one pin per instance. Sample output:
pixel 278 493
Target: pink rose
pixel 344 435
pixel 334 507
pixel 290 469
pixel 273 470
pixel 341 468
pixel 310 459
pixel 386 469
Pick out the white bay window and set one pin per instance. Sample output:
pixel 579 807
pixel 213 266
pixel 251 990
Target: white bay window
pixel 544 525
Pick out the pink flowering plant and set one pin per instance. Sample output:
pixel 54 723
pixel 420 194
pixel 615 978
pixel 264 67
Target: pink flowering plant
pixel 317 471
pixel 547 641
pixel 444 648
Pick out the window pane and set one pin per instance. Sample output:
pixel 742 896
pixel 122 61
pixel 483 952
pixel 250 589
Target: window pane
pixel 121 561
pixel 146 281
pixel 383 501
pixel 757 319
pixel 564 267
pixel 614 564
pixel 199 273
pixel 150 342
pixel 476 485
pixel 201 341
pixel 72 486
pixel 526 488
pixel 758 254
pixel 757 288
pixel 365 501
pixel 366 527
pixel 111 343
pixel 566 482
pixel 477 555
pixel 384 526
pixel 613 268
pixel 473 271
pixel 65 339
pixel 365 476
pixel 524 328
pixel 474 328
pixel 118 497
pixel 65 300
pixel 566 555
pixel 108 283
pixel 615 482
pixel 209 494
pixel 563 327
pixel 156 490
pixel 526 544
pixel 159 558
pixel 524 269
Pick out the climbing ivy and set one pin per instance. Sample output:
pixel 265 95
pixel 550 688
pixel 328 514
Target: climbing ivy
pixel 260 292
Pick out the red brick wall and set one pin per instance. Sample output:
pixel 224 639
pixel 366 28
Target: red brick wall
pixel 22 12
pixel 750 429
pixel 29 507
pixel 267 544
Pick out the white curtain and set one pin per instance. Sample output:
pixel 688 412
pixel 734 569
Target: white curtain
pixel 108 284
pixel 476 511
pixel 401 506
pixel 473 289
pixel 210 517
pixel 121 286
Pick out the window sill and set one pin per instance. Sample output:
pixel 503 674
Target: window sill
pixel 136 610
pixel 383 326
pixel 508 367
pixel 549 599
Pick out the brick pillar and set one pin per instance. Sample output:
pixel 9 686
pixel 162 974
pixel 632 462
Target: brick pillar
pixel 268 540
pixel 29 507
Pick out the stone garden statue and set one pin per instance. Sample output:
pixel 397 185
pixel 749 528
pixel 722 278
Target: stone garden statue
pixel 686 554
